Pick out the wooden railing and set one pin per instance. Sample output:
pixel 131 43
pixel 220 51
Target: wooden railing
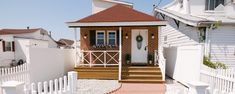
pixel 161 62
pixel 99 58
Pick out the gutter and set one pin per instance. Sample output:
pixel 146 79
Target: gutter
pixel 202 23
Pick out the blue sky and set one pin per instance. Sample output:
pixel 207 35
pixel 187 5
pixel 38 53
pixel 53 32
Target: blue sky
pixel 52 14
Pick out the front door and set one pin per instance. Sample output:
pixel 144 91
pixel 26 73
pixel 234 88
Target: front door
pixel 139 49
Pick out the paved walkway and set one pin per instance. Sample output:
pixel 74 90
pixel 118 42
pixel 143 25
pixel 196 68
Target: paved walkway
pixel 132 88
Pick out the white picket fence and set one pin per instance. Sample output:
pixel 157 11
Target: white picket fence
pixel 63 85
pixel 18 73
pixel 221 81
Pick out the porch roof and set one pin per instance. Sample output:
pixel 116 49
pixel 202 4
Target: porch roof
pixel 118 15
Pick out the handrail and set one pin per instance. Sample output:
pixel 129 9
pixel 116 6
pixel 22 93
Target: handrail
pixel 161 62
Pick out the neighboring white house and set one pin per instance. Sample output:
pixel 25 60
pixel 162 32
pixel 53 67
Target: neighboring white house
pixel 100 5
pixel 197 28
pixel 15 43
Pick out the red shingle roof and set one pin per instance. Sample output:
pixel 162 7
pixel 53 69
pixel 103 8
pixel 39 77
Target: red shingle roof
pixel 17 31
pixel 119 13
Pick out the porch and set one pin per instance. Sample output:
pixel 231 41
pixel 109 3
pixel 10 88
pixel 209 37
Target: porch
pixel 119 37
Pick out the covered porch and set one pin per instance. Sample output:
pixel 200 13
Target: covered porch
pixel 130 38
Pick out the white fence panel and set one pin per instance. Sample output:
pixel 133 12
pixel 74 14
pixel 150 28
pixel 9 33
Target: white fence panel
pixel 63 85
pixel 18 73
pixel 219 80
pixel 183 63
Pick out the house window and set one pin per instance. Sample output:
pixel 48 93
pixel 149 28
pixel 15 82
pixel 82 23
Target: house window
pixel 111 37
pixel 100 38
pixel 8 46
pixel 212 4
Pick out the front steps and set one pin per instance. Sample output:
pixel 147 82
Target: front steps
pixel 141 74
pixel 102 73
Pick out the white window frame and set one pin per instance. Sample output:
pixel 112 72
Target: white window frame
pixel 208 6
pixel 10 46
pixel 96 42
pixel 115 36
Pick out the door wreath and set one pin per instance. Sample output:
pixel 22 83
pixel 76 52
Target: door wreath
pixel 139 40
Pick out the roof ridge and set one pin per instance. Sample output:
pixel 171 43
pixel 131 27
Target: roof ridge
pixel 128 14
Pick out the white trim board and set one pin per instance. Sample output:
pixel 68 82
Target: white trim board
pixel 84 24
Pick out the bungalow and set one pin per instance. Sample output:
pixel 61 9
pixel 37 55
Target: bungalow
pixel 118 42
pixel 14 43
pixel 197 28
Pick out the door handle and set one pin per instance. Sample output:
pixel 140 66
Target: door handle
pixel 145 48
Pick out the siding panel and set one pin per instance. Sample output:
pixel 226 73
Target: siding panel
pixel 222 42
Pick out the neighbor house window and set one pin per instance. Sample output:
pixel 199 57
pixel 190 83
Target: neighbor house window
pixel 212 4
pixel 8 46
pixel 100 38
pixel 111 37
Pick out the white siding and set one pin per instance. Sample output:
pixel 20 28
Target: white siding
pixel 222 42
pixel 184 35
pixel 99 5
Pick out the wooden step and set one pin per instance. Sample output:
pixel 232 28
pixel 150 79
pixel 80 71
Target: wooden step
pixel 108 73
pixel 140 81
pixel 142 76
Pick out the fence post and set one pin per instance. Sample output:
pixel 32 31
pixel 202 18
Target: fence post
pixel 197 88
pixel 13 87
pixel 73 82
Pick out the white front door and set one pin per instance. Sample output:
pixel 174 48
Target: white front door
pixel 139 43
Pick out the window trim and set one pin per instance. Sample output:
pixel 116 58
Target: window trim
pixel 96 35
pixel 113 31
pixel 207 6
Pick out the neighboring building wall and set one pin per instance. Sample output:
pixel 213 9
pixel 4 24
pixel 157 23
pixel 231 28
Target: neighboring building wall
pixel 222 44
pixel 99 5
pixel 197 8
pixel 8 56
pixel 22 47
pixel 39 36
pixel 171 35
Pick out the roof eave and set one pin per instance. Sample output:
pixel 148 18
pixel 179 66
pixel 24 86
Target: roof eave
pixel 99 24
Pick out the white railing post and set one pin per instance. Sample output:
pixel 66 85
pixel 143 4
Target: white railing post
pixel 90 58
pixel 73 82
pixel 105 62
pixel 120 55
pixel 33 88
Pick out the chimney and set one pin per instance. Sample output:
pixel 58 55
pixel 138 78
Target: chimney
pixel 50 33
pixel 27 27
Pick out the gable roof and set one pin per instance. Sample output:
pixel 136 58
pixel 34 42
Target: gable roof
pixel 17 31
pixel 118 13
pixel 66 41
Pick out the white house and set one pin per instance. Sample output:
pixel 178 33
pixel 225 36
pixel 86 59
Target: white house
pixel 16 42
pixel 100 5
pixel 197 28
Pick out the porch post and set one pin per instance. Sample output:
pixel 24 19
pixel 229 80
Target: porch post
pixel 75 41
pixel 120 54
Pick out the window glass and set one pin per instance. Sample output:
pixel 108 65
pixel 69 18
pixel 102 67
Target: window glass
pixel 100 38
pixel 212 4
pixel 112 38
pixel 7 46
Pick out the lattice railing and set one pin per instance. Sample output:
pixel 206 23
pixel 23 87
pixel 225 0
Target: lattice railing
pixel 99 58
